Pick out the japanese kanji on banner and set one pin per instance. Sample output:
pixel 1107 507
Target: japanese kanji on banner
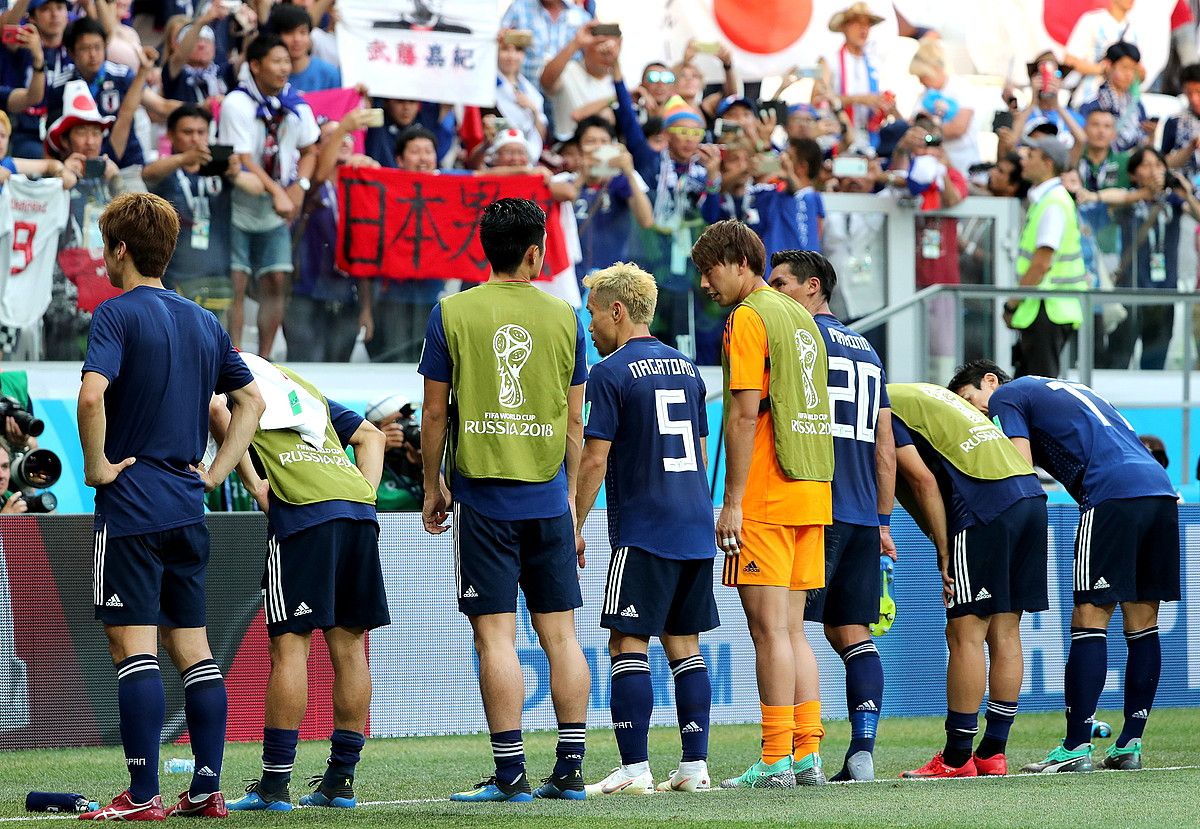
pixel 402 225
pixel 420 50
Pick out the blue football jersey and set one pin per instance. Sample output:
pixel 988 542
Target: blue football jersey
pixel 857 391
pixel 968 501
pixel 648 400
pixel 1079 438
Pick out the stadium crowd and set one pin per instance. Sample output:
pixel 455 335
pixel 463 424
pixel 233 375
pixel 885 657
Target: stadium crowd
pixel 641 164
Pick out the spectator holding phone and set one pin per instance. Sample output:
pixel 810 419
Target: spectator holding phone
pixel 1046 106
pixel 273 132
pixel 49 18
pixel 552 23
pixel 398 116
pixel 612 197
pixel 758 189
pixel 518 100
pixel 578 89
pixel 198 184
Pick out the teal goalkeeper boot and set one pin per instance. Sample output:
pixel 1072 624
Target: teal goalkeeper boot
pixel 1060 759
pixel 1123 759
pixel 777 775
pixel 809 770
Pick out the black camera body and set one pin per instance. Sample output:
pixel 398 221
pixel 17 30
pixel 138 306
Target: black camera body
pixel 26 422
pixel 41 503
pixel 411 429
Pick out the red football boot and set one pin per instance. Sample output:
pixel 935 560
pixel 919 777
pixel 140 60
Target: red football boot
pixel 994 766
pixel 212 805
pixel 123 808
pixel 937 768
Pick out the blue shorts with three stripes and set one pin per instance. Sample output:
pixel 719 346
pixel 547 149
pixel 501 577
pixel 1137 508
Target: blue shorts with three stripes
pixel 1000 567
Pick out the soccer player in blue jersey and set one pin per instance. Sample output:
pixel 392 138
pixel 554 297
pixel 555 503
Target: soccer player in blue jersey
pixel 154 360
pixel 982 506
pixel 514 358
pixel 1126 550
pixel 864 481
pixel 645 436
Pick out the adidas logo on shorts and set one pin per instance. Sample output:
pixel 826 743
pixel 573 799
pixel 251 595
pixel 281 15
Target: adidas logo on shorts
pixel 982 594
pixel 750 568
pixel 205 771
pixel 302 609
pixel 1143 714
pixel 114 601
pixel 470 593
pixel 869 705
pixel 630 612
pixel 691 728
pixel 1101 584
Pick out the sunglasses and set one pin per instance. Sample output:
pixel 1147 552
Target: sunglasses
pixel 687 132
pixel 660 76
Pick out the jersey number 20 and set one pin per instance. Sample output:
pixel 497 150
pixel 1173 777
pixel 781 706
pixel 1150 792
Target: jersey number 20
pixel 864 384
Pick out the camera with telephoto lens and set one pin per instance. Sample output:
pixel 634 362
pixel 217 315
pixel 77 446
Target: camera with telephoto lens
pixel 43 502
pixel 26 422
pixel 410 427
pixel 38 469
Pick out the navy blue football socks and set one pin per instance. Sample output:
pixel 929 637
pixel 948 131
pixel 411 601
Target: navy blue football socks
pixel 278 757
pixel 864 694
pixel 631 703
pixel 508 750
pixel 1087 665
pixel 345 749
pixel 1142 668
pixel 1000 716
pixel 142 703
pixel 961 728
pixel 205 706
pixel 572 737
pixel 693 703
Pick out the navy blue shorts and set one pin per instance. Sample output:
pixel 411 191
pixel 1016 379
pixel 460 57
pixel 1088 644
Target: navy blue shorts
pixel 324 577
pixel 1127 550
pixel 1000 567
pixel 851 592
pixel 492 557
pixel 151 579
pixel 648 595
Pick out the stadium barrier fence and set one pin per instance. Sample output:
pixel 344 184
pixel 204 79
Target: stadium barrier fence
pixel 57 685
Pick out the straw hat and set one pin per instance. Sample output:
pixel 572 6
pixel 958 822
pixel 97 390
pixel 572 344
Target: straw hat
pixel 840 19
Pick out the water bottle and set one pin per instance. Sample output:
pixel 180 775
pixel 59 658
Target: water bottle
pixel 178 765
pixel 59 802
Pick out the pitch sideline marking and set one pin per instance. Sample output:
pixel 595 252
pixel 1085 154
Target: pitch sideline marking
pixel 423 801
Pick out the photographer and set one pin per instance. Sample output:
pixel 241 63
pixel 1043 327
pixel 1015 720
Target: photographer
pixel 14 502
pixel 14 389
pixel 401 488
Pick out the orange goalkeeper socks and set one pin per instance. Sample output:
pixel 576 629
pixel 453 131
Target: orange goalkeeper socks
pixel 777 727
pixel 808 729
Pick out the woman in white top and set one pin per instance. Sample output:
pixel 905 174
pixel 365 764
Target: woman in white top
pixel 517 100
pixel 944 99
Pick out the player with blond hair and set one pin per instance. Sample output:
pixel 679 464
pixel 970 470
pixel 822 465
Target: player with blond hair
pixel 645 436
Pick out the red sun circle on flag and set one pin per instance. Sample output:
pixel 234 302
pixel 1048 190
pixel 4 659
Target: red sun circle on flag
pixel 83 102
pixel 763 26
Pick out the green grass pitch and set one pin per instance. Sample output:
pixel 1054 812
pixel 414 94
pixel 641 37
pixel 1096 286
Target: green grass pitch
pixel 404 783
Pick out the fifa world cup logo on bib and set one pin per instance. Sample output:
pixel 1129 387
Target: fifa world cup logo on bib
pixel 512 345
pixel 806 347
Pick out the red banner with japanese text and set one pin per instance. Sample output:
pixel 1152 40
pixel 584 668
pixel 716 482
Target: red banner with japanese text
pixel 401 225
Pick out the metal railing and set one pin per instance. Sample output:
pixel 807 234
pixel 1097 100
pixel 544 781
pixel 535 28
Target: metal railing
pixel 911 366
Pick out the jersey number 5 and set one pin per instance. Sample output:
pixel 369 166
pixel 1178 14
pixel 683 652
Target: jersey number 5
pixel 662 399
pixel 863 388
